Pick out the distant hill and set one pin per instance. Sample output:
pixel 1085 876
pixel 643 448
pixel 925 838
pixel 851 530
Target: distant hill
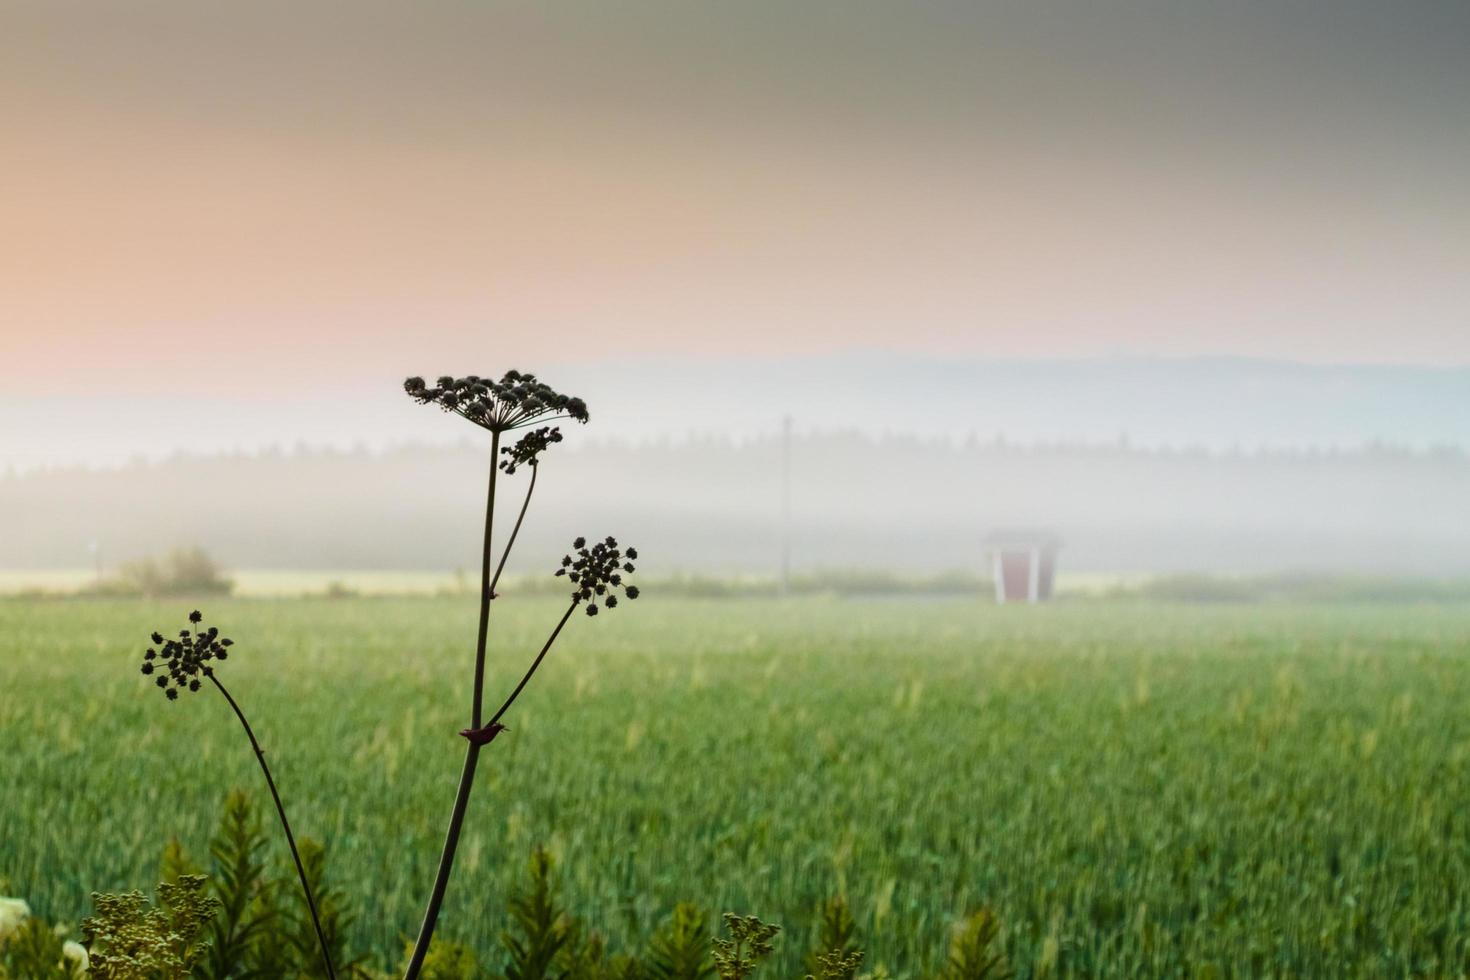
pixel 713 505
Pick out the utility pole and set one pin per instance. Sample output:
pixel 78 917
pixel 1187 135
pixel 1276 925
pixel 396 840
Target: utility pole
pixel 785 504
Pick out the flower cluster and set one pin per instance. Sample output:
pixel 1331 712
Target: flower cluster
pixel 182 662
pixel 598 572
pixel 531 445
pixel 514 401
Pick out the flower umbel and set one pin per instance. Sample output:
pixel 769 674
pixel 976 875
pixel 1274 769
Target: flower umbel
pixel 516 400
pixel 598 572
pixel 531 445
pixel 181 663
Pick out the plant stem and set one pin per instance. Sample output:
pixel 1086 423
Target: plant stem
pixel 285 825
pixel 472 751
pixel 486 592
pixel 510 542
pixel 534 664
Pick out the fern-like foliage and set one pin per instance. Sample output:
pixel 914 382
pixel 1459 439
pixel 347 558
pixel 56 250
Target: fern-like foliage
pixel 175 862
pixel 749 944
pixel 239 882
pixel 836 932
pixel 586 957
pixel 541 926
pixel 681 949
pixel 333 908
pixel 130 940
pixel 972 952
pixel 624 966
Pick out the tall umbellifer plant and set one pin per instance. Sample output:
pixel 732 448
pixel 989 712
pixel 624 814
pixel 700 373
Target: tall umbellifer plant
pixel 596 572
pixel 187 663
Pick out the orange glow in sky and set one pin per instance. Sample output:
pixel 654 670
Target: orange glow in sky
pixel 263 197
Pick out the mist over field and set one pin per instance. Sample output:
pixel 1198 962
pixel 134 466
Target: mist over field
pixel 903 465
pixel 867 306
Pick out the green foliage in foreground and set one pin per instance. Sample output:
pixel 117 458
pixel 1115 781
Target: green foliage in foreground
pixel 242 923
pixel 1134 790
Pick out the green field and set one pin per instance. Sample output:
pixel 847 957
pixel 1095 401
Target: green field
pixel 1137 790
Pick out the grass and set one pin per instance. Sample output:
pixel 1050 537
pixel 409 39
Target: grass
pixel 1137 790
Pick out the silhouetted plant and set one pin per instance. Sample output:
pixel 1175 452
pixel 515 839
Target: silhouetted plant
pixel 516 401
pixel 184 664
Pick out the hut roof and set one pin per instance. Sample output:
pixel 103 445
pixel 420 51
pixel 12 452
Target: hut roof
pixel 1022 538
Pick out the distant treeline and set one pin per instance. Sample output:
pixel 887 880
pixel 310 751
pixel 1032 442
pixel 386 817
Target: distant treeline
pixel 711 507
pixel 1188 588
pixel 191 573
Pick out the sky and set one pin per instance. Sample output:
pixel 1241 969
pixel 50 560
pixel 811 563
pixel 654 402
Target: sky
pixel 235 207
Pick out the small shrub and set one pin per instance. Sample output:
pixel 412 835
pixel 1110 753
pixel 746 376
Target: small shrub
pixel 749 944
pixel 183 571
pixel 128 939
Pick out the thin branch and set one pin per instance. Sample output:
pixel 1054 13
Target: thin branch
pixel 285 825
pixel 510 542
pixel 486 593
pixel 472 752
pixel 534 664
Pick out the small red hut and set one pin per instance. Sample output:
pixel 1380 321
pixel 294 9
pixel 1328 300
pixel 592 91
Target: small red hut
pixel 1023 563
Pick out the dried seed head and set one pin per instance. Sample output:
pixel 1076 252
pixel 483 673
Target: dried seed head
pixel 182 662
pixel 515 401
pixel 598 572
pixel 531 445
